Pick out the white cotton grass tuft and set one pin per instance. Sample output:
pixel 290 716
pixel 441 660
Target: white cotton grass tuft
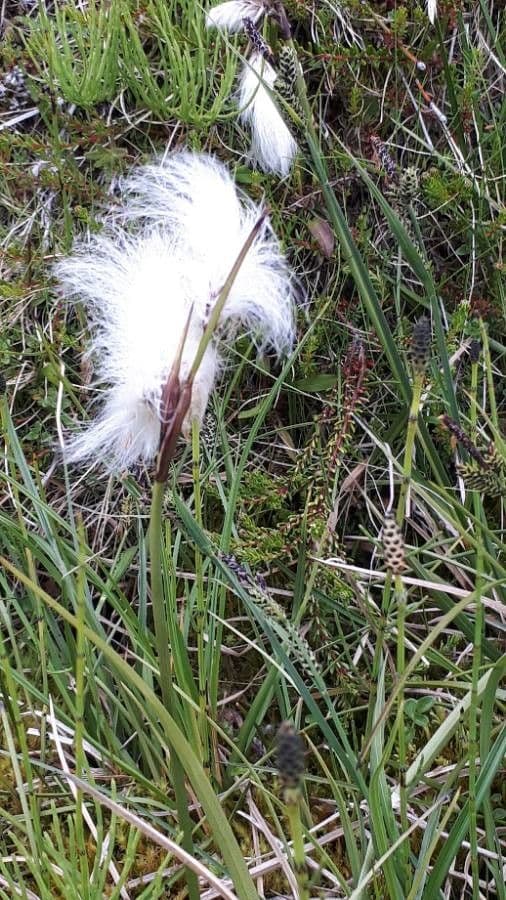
pixel 195 198
pixel 139 285
pixel 273 147
pixel 229 16
pixel 432 10
pixel 138 304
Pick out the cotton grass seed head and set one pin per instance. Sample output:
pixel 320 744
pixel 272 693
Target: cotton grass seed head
pixel 230 16
pixel 273 148
pixel 194 198
pixel 432 10
pixel 151 279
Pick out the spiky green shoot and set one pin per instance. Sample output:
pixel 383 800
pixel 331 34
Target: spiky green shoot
pixel 419 358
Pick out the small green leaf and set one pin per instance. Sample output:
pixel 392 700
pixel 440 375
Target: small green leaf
pixel 313 384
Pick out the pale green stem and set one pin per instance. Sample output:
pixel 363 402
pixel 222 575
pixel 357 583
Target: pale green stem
pixel 490 375
pixel 400 595
pixel 477 640
pixel 163 650
pixel 292 801
pixel 41 623
pixel 473 411
pixel 473 709
pixel 217 309
pixel 80 689
pixel 200 601
pixel 411 432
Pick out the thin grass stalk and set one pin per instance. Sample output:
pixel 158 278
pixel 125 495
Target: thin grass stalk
pixel 80 690
pixel 401 598
pixel 169 697
pixel 379 647
pixel 157 599
pixel 489 375
pixel 473 406
pixel 41 621
pixel 411 432
pixel 10 712
pixel 476 735
pixel 293 813
pixel 416 229
pixel 473 714
pixel 200 602
pixel 43 649
pixel 311 581
pixel 479 623
pixel 217 309
pixel 182 675
pixel 419 365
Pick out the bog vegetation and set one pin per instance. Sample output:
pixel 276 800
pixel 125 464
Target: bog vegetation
pixel 277 668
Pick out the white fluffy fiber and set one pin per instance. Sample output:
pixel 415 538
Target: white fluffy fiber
pixel 273 147
pixel 167 251
pixel 229 16
pixel 194 197
pixel 432 10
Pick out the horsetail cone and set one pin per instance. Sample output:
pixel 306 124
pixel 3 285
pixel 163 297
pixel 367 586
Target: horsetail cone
pixel 290 755
pixel 474 351
pixel 419 351
pixel 3 384
pixel 393 545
